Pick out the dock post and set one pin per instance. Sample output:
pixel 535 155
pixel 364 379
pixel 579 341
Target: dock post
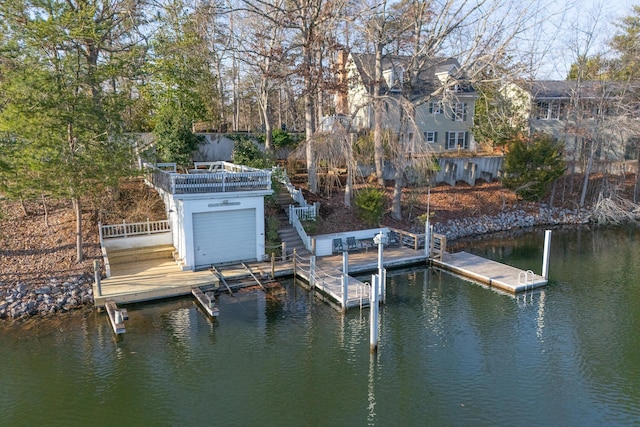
pixel 545 255
pixel 345 279
pixel 273 265
pixel 96 272
pixel 373 314
pixel 428 230
pixel 380 239
pixel 284 251
pixel 294 262
pixel 312 271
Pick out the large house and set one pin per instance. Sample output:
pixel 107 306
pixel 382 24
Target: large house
pixel 584 115
pixel 441 103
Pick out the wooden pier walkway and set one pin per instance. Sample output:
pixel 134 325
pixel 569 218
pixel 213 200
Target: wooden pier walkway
pixel 147 280
pixel 490 273
pixel 144 280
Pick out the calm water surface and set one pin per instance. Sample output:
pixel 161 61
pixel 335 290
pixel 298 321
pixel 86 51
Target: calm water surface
pixel 451 353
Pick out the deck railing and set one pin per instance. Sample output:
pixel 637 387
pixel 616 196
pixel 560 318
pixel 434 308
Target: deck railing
pixel 303 213
pixel 412 240
pixel 111 231
pixel 224 177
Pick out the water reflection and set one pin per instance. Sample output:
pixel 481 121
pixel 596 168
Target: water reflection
pixel 449 350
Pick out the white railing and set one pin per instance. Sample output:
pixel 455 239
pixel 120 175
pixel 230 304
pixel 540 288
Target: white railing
pixel 112 231
pixel 219 177
pixel 303 213
pixel 295 221
pixel 295 193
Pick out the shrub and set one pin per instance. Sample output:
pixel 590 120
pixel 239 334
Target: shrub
pixel 531 166
pixel 370 205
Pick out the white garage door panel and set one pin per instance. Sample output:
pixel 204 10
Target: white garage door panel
pixel 224 236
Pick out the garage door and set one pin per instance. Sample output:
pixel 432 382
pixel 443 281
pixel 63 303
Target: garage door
pixel 224 236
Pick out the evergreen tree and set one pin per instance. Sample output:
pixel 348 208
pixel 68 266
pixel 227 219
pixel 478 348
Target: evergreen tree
pixel 531 166
pixel 63 63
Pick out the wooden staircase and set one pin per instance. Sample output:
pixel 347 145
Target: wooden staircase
pixel 287 232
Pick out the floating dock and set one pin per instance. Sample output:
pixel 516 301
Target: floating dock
pixel 490 273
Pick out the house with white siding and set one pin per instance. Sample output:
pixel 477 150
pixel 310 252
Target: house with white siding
pixel 442 102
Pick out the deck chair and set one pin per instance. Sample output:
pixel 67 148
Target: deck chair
pixel 393 239
pixel 337 246
pixel 351 243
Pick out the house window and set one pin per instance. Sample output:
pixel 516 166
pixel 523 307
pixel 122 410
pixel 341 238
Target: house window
pixel 457 140
pixel 542 110
pixel 549 110
pixel 435 108
pixel 431 137
pixel 459 112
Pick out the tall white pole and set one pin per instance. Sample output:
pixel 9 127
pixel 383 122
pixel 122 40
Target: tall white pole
pixel 345 279
pixel 373 314
pixel 545 255
pixel 381 284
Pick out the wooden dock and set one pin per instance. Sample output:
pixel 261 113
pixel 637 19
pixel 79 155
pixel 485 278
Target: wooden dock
pixel 328 281
pixel 144 280
pixel 490 273
pixel 148 280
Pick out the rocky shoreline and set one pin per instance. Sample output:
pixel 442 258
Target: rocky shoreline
pixel 22 301
pixel 510 220
pixel 58 296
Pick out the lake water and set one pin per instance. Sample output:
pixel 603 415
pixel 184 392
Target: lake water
pixel 451 352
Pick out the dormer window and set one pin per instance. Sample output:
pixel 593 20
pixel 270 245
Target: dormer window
pixel 394 78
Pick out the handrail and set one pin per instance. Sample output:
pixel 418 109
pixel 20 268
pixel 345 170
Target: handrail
pixel 111 231
pixel 415 240
pixel 226 177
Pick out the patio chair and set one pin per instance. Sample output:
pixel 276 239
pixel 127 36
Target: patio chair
pixel 393 239
pixel 352 244
pixel 337 246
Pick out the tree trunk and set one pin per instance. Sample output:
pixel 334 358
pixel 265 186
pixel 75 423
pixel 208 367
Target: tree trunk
pixel 378 149
pixel 348 188
pixel 77 207
pixel 636 193
pixel 396 205
pixel 587 172
pixel 309 122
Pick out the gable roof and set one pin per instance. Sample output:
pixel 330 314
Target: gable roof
pixel 568 89
pixel 427 81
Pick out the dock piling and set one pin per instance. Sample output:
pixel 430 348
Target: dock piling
pixel 373 314
pixel 545 255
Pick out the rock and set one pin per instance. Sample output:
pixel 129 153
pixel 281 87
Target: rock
pixel 44 290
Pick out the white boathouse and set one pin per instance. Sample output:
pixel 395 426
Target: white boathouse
pixel 216 212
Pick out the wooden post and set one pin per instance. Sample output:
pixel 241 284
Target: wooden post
pixel 294 262
pixel 273 265
pixel 284 251
pixel 313 246
pixel 373 315
pixel 96 272
pixel 545 255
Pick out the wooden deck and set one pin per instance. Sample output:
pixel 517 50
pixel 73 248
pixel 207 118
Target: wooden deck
pixel 144 280
pixel 491 273
pixel 147 280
